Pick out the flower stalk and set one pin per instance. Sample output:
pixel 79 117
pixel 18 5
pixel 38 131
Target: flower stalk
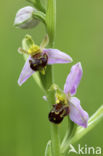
pixel 51 29
pixel 40 16
pixel 37 4
pixel 51 21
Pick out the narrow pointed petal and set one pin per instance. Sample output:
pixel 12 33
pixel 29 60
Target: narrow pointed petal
pixel 73 79
pixel 77 114
pixel 44 42
pixel 56 56
pixel 26 72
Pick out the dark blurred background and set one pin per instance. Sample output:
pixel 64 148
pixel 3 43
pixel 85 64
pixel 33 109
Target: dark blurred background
pixel 24 126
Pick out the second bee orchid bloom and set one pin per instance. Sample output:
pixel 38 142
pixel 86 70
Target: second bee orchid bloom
pixel 39 57
pixel 66 104
pixel 76 112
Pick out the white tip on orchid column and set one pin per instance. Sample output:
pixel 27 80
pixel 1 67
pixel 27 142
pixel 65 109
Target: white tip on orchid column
pixel 24 18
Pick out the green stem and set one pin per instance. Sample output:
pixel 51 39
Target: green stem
pixel 37 4
pixel 55 146
pixel 39 15
pixel 51 21
pixel 47 79
pixel 55 140
pixel 51 29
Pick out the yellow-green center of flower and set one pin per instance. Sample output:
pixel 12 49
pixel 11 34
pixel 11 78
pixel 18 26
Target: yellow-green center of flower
pixel 34 49
pixel 61 98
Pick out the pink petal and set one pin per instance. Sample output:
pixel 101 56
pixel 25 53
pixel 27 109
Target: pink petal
pixel 73 79
pixel 56 56
pixel 26 72
pixel 77 114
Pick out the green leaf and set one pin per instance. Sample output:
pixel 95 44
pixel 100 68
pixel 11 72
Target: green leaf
pixel 48 149
pixel 71 130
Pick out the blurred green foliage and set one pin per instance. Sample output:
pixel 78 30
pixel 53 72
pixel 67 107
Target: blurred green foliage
pixel 24 126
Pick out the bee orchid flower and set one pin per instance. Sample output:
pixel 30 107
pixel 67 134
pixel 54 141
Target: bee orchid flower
pixel 76 112
pixel 67 104
pixel 39 57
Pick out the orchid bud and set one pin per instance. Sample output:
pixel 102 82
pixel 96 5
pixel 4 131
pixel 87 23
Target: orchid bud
pixel 24 18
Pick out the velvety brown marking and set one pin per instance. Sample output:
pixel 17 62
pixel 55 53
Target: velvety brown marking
pixel 58 112
pixel 38 61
